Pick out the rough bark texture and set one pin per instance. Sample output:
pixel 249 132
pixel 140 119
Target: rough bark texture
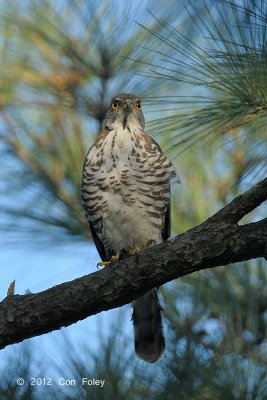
pixel 217 241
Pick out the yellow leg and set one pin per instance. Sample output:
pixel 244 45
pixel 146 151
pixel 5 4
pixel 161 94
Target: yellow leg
pixel 151 241
pixel 135 250
pixel 131 252
pixel 105 263
pixel 138 250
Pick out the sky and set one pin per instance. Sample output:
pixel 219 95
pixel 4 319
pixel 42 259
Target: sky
pixel 39 268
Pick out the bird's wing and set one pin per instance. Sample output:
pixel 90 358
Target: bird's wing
pixel 98 242
pixel 166 232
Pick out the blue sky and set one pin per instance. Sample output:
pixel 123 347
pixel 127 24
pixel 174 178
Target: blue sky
pixel 39 268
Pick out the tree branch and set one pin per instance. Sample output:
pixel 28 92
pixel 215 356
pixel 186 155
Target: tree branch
pixel 243 204
pixel 217 241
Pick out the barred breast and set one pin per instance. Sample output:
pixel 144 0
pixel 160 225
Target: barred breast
pixel 125 189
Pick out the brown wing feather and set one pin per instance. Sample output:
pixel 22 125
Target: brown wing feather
pixel 166 232
pixel 98 243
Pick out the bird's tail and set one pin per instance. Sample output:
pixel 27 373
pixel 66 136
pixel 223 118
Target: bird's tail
pixel 148 333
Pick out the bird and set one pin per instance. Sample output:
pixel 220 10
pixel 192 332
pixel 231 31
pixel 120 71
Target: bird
pixel 125 193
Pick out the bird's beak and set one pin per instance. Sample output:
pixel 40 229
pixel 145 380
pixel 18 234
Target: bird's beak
pixel 128 105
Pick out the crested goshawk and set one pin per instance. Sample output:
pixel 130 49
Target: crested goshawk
pixel 126 199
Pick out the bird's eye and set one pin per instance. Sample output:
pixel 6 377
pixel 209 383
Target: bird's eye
pixel 115 105
pixel 138 105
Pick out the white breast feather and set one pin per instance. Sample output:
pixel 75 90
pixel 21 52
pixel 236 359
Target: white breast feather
pixel 125 220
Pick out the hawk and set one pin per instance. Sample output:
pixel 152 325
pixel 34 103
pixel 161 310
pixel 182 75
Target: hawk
pixel 126 198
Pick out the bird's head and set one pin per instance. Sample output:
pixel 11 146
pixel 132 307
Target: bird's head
pixel 125 109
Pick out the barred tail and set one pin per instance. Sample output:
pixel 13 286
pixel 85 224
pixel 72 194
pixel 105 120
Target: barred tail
pixel 148 333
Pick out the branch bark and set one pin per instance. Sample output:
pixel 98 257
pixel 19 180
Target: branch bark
pixel 217 241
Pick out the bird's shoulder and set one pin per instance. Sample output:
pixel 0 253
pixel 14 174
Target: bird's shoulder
pixel 152 142
pixel 93 148
pixel 102 135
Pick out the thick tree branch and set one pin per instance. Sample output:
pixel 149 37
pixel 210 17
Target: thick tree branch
pixel 217 241
pixel 243 204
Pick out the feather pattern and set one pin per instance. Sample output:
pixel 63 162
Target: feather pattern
pixel 126 195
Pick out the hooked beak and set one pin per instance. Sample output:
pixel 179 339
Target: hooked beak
pixel 128 105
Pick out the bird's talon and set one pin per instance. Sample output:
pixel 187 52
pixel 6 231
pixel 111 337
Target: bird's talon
pixel 102 264
pixel 134 251
pixel 151 241
pixel 137 250
pixel 112 261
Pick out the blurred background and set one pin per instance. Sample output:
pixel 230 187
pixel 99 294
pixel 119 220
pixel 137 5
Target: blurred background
pixel 201 69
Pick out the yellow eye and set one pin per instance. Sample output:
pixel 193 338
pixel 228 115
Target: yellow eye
pixel 115 105
pixel 138 105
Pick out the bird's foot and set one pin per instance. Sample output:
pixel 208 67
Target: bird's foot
pixel 149 243
pixel 126 253
pixel 137 250
pixel 134 251
pixel 112 261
